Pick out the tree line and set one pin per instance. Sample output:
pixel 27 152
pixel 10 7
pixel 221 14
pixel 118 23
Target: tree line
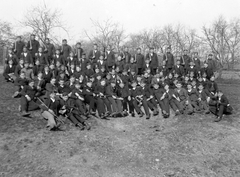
pixel 221 37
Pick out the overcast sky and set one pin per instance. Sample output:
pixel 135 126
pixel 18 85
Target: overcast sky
pixel 134 15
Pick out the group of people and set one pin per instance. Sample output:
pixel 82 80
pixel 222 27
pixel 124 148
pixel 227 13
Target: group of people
pixel 65 82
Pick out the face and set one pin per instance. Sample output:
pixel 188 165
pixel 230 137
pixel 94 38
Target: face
pixel 47 41
pixel 53 81
pixel 18 39
pixel 89 84
pixel 22 75
pixel 126 49
pixel 185 52
pixel 40 75
pixel 189 87
pixel 103 83
pixel 139 51
pixel 26 65
pixel 52 66
pixel 72 79
pixel 113 84
pixel 40 50
pixel 166 87
pixel 61 82
pixel 32 37
pixel 119 58
pixel 24 49
pixel 65 98
pixel 78 68
pixel 178 86
pixel 31 84
pixel 95 47
pixel 52 95
pixel 132 60
pixel 10 62
pixel 108 47
pixel 77 86
pixel 156 86
pixel 212 78
pixel 121 85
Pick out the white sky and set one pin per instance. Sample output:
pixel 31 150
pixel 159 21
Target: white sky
pixel 134 15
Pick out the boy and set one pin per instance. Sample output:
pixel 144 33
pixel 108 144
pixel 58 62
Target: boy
pixel 9 72
pixel 20 82
pixel 28 71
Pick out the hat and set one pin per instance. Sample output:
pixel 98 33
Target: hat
pixel 65 94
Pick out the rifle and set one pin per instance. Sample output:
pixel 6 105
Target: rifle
pixel 56 117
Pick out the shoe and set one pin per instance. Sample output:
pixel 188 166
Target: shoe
pixel 25 114
pixel 87 126
pixel 15 94
pixel 60 127
pixel 155 112
pixel 217 119
pixel 133 114
pixel 177 113
pixel 80 126
pixel 140 114
pixel 125 113
pixel 207 112
pixel 148 116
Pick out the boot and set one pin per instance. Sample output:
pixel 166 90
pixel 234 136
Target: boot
pixel 25 114
pixel 217 119
pixel 87 126
pixel 80 126
pixel 155 112
pixel 148 116
pixel 140 114
pixel 15 94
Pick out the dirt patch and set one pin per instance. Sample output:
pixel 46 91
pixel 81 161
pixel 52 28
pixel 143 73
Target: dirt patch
pixel 182 146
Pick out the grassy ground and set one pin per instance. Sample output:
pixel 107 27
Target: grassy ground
pixel 190 146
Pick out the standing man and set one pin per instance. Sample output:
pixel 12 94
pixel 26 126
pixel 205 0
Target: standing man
pixel 110 58
pixel 33 46
pixel 65 49
pixel 79 51
pixel 18 47
pixel 94 54
pixel 168 57
pixel 185 59
pixel 126 55
pixel 139 58
pixel 49 50
pixel 153 60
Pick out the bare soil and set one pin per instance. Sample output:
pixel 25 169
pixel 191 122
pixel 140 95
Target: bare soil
pixel 184 146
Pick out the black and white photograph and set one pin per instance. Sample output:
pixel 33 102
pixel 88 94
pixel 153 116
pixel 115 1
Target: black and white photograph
pixel 120 88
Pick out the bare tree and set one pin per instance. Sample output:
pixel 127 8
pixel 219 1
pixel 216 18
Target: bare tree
pixel 107 33
pixel 44 21
pixel 6 35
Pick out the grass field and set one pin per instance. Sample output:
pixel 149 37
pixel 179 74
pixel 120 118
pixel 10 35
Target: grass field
pixel 184 146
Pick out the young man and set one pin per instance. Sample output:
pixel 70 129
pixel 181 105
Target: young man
pixel 69 109
pixel 27 101
pixel 9 72
pixel 49 50
pixel 28 71
pixel 185 59
pixel 79 51
pixel 169 58
pixel 50 111
pixel 26 56
pixel 65 49
pixel 139 61
pixel 221 106
pixel 18 47
pixel 41 56
pixel 153 60
pixel 202 99
pixel 94 54
pixel 33 46
pixel 109 58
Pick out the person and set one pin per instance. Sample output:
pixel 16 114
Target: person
pixel 28 101
pixel 49 50
pixel 153 60
pixel 169 59
pixel 58 58
pixel 94 54
pixel 196 61
pixel 203 97
pixel 18 47
pixel 206 70
pixel 179 68
pixel 11 56
pixel 50 111
pixel 65 49
pixel 33 46
pixel 221 106
pixel 109 58
pixel 185 59
pixel 69 109
pixel 139 58
pixel 126 55
pixel 42 58
pixel 78 51
pixel 9 72
pixel 211 62
pixel 26 56
pixel 28 71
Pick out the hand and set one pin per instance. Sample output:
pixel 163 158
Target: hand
pixel 114 97
pixel 14 50
pixel 21 87
pixel 30 48
pixel 38 88
pixel 129 98
pixel 28 98
pixel 187 102
pixel 51 111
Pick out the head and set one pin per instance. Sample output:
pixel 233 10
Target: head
pixel 189 86
pixel 97 70
pixel 79 45
pixel 78 68
pixel 53 81
pixel 40 75
pixel 19 38
pixel 101 57
pixel 32 37
pixel 22 75
pixel 166 87
pixel 77 85
pixel 40 49
pixel 26 65
pixel 139 50
pixel 37 62
pixel 46 68
pixel 61 82
pixel 89 83
pixel 65 96
pixel 52 66
pixel 21 61
pixel 72 79
pixel 72 66
pixel 155 86
pixel 139 78
pixel 31 83
pixel 95 46
pixel 210 56
pixel 113 83
pixel 121 85
pixel 126 49
pixel 58 64
pixel 134 84
pixel 219 93
pixel 151 50
pixel 52 95
pixel 99 77
pixel 200 87
pixel 64 41
pixel 108 47
pixel 179 85
pixel 103 82
pixel 47 41
pixel 24 49
pixel 57 52
pixel 10 62
pixel 185 52
pixel 212 78
pixel 119 58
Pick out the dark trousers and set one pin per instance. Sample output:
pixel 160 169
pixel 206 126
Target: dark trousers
pixel 75 117
pixel 152 104
pixel 92 101
pixel 164 105
pixel 145 106
pixel 81 106
pixel 175 105
pixel 28 105
pixel 140 71
pixel 219 110
pixel 128 105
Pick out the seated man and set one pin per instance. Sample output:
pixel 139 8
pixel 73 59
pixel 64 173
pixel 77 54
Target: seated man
pixel 50 111
pixel 221 106
pixel 27 101
pixel 9 72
